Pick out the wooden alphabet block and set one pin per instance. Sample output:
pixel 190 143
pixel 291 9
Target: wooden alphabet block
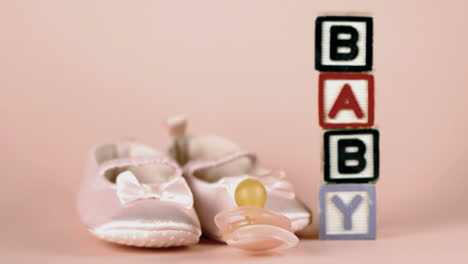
pixel 346 100
pixel 347 211
pixel 351 156
pixel 343 43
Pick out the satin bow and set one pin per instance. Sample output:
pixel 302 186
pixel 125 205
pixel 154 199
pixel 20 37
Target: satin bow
pixel 129 189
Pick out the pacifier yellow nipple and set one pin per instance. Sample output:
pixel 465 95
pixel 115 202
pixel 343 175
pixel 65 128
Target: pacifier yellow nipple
pixel 250 192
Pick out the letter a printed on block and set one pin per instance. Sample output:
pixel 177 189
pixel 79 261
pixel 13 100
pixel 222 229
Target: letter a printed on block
pixel 346 100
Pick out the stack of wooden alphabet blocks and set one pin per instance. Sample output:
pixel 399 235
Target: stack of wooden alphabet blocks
pixel 343 56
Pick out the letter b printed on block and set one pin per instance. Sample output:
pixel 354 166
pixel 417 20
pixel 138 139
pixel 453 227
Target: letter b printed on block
pixel 343 43
pixel 351 156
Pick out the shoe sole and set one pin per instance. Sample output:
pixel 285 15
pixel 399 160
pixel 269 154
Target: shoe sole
pixel 148 238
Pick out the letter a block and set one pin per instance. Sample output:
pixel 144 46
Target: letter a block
pixel 343 43
pixel 351 156
pixel 346 100
pixel 347 211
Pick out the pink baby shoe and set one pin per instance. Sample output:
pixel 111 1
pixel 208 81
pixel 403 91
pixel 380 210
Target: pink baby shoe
pixel 135 195
pixel 215 168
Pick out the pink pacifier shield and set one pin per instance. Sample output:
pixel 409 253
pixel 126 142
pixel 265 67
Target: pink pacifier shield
pixel 255 229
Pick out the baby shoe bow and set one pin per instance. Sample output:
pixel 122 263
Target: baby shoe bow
pixel 129 189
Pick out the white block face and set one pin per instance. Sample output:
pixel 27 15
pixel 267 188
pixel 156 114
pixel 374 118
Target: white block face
pixel 368 171
pixel 335 218
pixel 332 89
pixel 360 59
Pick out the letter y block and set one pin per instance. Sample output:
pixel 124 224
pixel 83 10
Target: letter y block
pixel 347 211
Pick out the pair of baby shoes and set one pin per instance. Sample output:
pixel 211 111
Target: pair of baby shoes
pixel 135 195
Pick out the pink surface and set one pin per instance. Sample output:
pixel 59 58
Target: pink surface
pixel 76 73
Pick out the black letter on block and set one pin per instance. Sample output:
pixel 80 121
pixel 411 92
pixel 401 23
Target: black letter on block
pixel 344 43
pixel 350 43
pixel 358 156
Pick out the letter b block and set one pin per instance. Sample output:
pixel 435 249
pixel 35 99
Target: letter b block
pixel 343 43
pixel 351 156
pixel 347 211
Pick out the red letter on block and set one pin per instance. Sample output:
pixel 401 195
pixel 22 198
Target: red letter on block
pixel 346 100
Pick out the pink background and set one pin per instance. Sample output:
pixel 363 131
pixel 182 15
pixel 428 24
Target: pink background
pixel 76 73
